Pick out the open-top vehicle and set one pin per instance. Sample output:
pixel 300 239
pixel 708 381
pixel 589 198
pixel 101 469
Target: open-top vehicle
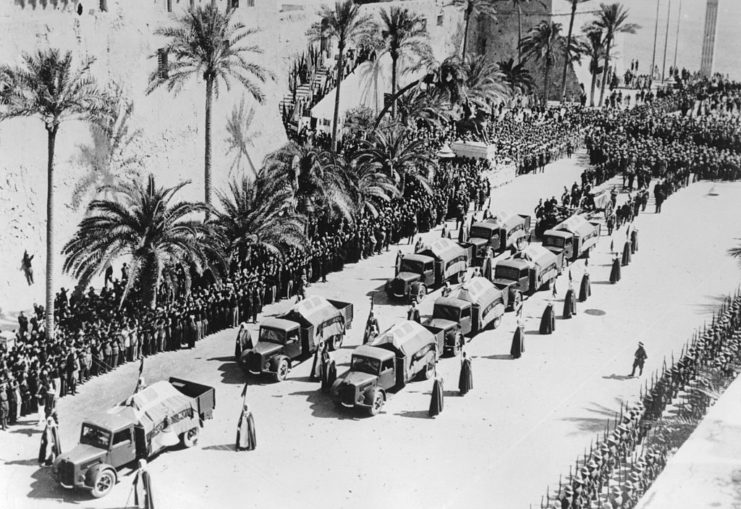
pixel 405 351
pixel 157 417
pixel 297 334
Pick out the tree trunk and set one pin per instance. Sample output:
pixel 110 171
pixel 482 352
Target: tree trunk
pixel 394 58
pixel 151 280
pixel 465 30
pixel 335 117
pixel 398 94
pixel 594 85
pixel 546 84
pixel 207 171
pixel 605 71
pixel 566 51
pixel 51 141
pixel 519 34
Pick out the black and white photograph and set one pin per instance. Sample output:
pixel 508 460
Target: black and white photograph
pixel 370 254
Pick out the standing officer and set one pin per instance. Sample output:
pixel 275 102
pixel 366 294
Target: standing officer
pixel 640 359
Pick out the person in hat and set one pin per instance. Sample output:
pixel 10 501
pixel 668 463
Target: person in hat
pixel 143 494
pixel 518 341
pixel 246 436
pixel 569 303
pixel 639 359
pixel 548 320
pixel 437 397
pixel 413 313
pixel 615 271
pixel 626 254
pixel 50 445
pixel 585 288
pixel 465 379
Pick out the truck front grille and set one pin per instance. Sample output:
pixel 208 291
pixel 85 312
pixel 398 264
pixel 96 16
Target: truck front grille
pixel 399 287
pixel 347 394
pixel 253 362
pixel 66 473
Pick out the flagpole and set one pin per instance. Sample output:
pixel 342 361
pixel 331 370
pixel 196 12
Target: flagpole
pixel 666 37
pixel 656 35
pixel 676 42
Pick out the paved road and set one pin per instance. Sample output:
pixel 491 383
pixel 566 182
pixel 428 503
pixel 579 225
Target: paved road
pixel 502 444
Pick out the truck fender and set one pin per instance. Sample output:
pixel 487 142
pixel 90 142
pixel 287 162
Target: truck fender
pixel 370 394
pixel 414 287
pixel 275 360
pixel 92 473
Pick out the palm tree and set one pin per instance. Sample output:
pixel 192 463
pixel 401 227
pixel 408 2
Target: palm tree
pixel 480 9
pixel 239 139
pixel 370 187
pixel 516 76
pixel 111 157
pixel 147 227
pixel 316 178
pixel 206 43
pixel 612 19
pixel 568 45
pixel 541 43
pixel 404 35
pixel 484 81
pixel 344 23
pixel 517 4
pixel 445 81
pixel 258 214
pixel 420 106
pixel 398 155
pixel 596 52
pixel 47 85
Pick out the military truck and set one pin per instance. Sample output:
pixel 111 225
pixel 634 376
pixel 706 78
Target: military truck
pixel 148 422
pixel 401 354
pixel 575 237
pixel 500 232
pixel 470 309
pixel 297 334
pixel 531 269
pixel 442 260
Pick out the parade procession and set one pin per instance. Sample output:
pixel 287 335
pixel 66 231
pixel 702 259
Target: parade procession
pixel 429 262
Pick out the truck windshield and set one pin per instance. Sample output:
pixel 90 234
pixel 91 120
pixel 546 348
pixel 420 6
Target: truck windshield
pixel 446 312
pixel 509 273
pixel 95 436
pixel 365 365
pixel 272 335
pixel 553 241
pixel 481 232
pixel 414 266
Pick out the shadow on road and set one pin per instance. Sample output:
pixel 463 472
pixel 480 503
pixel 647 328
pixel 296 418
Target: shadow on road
pixel 617 377
pixel 595 312
pixel 230 371
pixel 231 447
pixel 43 486
pixel 499 357
pixel 601 416
pixel 414 414
pixel 322 406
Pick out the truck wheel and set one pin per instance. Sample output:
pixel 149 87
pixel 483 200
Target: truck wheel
pixel 421 293
pixel 336 342
pixel 190 438
pixel 104 482
pixel 281 373
pixel 516 300
pixel 377 403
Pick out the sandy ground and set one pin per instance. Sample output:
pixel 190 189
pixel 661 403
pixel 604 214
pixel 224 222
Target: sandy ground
pixel 521 426
pixel 706 471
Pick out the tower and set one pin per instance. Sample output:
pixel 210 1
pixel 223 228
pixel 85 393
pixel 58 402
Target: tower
pixel 708 41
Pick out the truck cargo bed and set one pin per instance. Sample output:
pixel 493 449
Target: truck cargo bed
pixel 204 395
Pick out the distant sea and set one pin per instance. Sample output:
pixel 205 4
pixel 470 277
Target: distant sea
pixel 691 27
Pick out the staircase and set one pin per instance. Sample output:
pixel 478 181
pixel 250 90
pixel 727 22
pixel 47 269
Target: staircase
pixel 305 93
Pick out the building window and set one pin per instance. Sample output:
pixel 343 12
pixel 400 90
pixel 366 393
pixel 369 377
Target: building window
pixel 79 9
pixel 169 5
pixel 234 4
pixel 250 3
pixel 192 4
pixel 162 63
pixel 440 20
pixel 104 5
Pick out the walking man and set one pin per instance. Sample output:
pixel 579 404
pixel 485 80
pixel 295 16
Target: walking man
pixel 640 359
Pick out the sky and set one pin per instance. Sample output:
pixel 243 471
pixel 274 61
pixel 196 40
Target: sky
pixel 640 45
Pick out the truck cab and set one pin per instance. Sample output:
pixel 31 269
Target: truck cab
pixel 402 353
pixel 296 335
pixel 488 303
pixel 573 238
pixel 443 260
